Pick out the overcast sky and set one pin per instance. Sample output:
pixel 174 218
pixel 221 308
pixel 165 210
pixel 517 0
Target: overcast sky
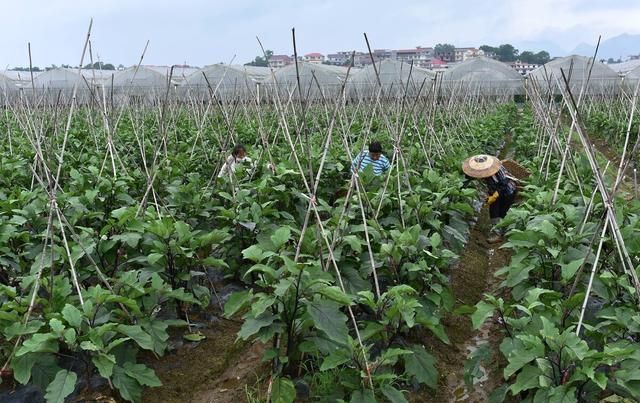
pixel 201 32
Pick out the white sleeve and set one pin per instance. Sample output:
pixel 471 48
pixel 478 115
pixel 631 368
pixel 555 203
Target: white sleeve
pixel 225 167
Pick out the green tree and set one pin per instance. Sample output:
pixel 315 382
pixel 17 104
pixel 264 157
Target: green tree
pixel 100 66
pixel 489 50
pixel 542 57
pixel 262 61
pixel 507 53
pixel 443 48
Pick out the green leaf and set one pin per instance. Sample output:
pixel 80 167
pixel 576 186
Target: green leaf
pixel 254 253
pixel 157 329
pixel 283 391
pixel 336 358
pixel 136 333
pixel 526 348
pixel 252 326
pixel 72 315
pixel 280 237
pixel 141 373
pixel 328 318
pixel 334 293
pixel 104 363
pixel 154 258
pixel 393 394
pixel 422 366
pixel 570 269
pixel 363 396
pixel 483 311
pixel 128 387
pixel 62 386
pixel 39 343
pixel 194 336
pixel 435 240
pixel 354 243
pixel 499 394
pixel 44 370
pixel 22 367
pixel 56 326
pixel 527 379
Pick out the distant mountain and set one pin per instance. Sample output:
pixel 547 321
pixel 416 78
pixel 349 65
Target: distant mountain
pixel 619 46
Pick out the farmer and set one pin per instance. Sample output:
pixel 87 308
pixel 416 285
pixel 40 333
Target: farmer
pixel 238 156
pixel 501 187
pixel 374 157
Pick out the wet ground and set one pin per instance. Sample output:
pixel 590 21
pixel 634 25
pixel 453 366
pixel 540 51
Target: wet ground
pixel 470 279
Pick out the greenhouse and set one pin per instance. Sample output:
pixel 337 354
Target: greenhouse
pixel 224 81
pixel 396 79
pixel 483 76
pixel 57 79
pixel 139 84
pixel 317 81
pixel 582 73
pixel 8 88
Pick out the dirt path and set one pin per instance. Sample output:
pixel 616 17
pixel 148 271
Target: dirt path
pixel 214 370
pixel 470 279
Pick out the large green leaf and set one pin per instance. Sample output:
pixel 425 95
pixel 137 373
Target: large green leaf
pixel 483 311
pixel 570 269
pixel 393 394
pixel 422 366
pixel 327 317
pixel 157 329
pixel 280 237
pixel 62 386
pixel 363 396
pixel 336 358
pixel 127 386
pixel 136 333
pixel 334 293
pixel 283 391
pixel 141 373
pixel 104 363
pixel 252 325
pixel 39 343
pixel 527 379
pixel 526 348
pixel 72 315
pixel 22 365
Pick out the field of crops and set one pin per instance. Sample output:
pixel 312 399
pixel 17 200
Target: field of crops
pixel 131 272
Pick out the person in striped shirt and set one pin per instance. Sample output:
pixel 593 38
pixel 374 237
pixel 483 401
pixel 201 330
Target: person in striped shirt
pixel 373 157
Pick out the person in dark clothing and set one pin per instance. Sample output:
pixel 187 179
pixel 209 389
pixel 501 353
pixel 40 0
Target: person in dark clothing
pixel 502 189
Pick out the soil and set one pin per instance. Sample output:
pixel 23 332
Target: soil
pixel 217 369
pixel 476 266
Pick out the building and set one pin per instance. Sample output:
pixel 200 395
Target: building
pixel 462 54
pixel 437 64
pixel 419 56
pixel 277 61
pixel 317 58
pixel 339 59
pixel 523 68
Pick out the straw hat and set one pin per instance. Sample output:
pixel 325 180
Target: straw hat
pixel 481 166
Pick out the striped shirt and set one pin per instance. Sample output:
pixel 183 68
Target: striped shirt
pixel 364 159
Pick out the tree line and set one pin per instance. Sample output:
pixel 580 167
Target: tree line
pixel 89 66
pixel 504 53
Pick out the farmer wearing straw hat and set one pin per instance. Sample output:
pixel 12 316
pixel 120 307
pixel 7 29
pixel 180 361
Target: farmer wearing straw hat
pixel 501 185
